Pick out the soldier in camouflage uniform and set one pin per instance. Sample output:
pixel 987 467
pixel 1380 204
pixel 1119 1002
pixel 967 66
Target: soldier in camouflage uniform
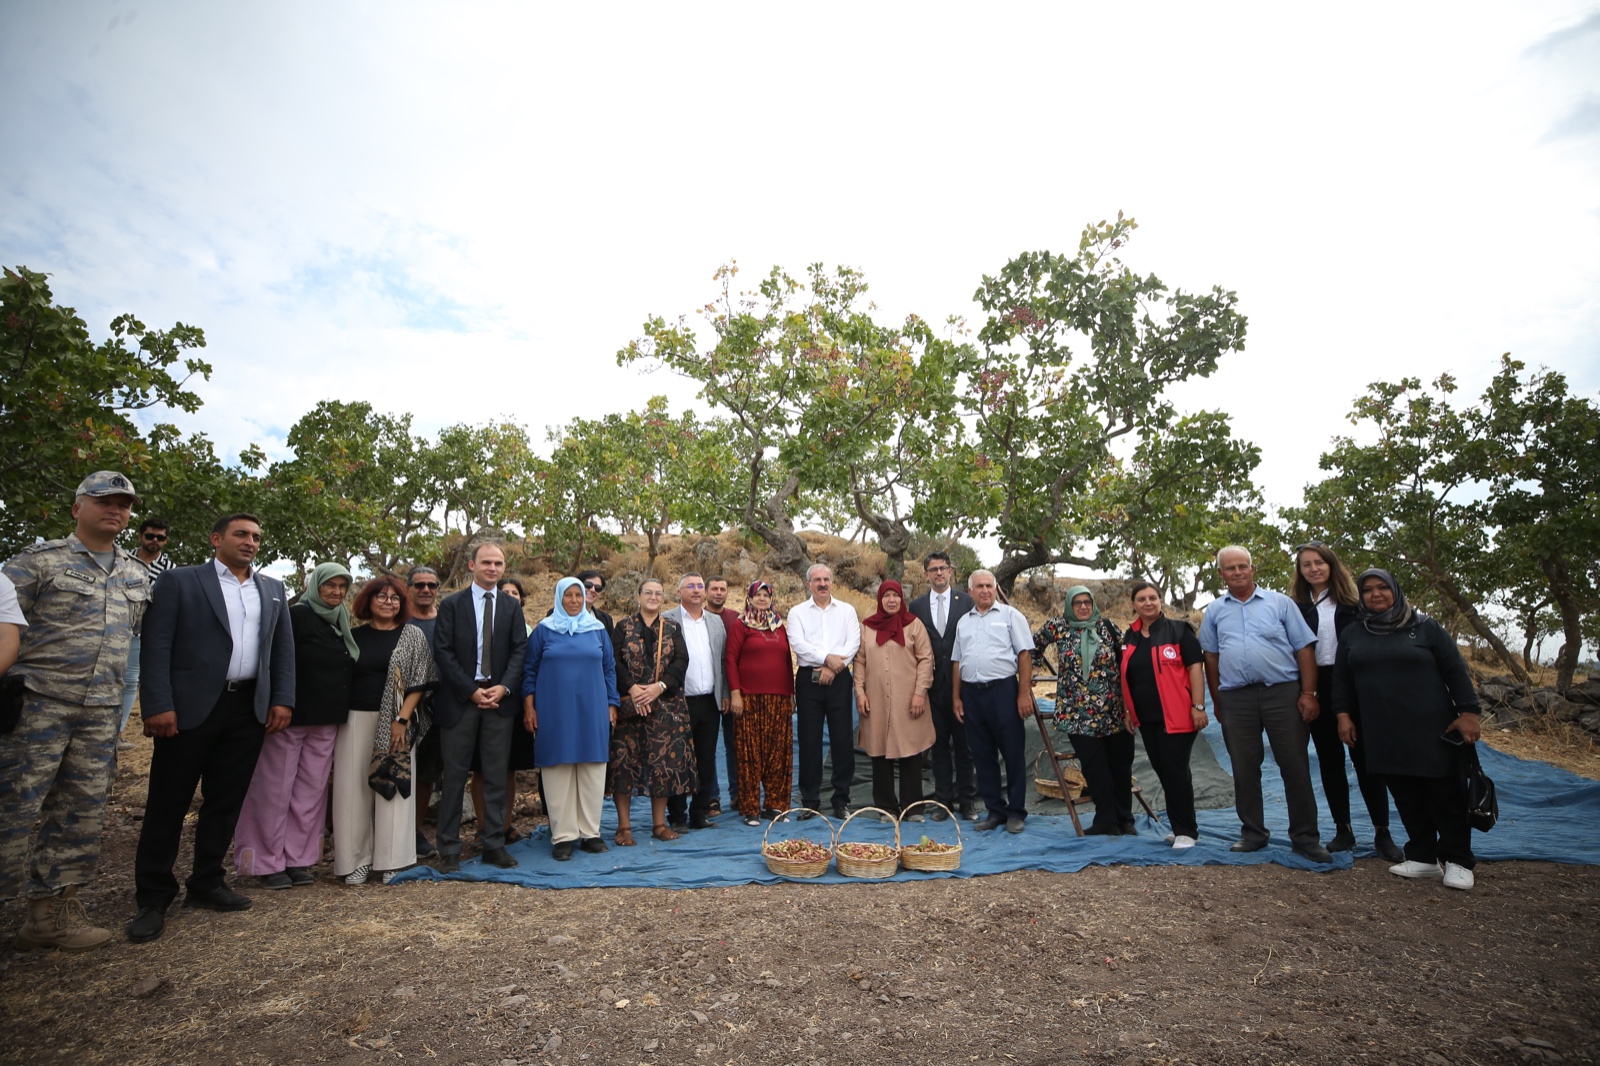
pixel 83 597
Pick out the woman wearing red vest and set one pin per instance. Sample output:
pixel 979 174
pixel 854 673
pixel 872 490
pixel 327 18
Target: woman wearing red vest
pixel 1163 688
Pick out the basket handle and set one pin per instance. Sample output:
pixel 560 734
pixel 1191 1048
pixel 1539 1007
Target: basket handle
pixel 935 803
pixel 782 815
pixel 892 820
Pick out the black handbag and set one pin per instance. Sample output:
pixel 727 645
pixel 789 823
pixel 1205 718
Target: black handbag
pixel 1483 809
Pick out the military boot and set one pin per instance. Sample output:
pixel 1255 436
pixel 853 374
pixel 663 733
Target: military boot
pixel 59 921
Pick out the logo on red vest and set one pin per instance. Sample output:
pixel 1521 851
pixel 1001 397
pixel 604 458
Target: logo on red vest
pixel 1169 652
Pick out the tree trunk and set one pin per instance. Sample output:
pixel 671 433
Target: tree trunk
pixel 1559 576
pixel 1443 583
pixel 893 536
pixel 654 540
pixel 771 522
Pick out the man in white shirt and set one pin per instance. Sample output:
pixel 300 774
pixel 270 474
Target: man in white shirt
pixel 706 692
pixel 991 676
pixel 825 635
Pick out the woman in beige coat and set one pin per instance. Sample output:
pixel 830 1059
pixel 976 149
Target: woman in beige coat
pixel 893 671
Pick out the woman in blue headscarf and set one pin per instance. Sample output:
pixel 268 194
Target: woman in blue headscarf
pixel 569 686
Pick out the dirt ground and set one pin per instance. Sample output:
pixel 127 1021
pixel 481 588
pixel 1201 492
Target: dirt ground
pixel 1117 965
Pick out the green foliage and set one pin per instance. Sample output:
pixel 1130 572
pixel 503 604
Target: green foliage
pixel 65 403
pixel 1076 354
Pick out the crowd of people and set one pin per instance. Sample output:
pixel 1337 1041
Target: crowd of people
pixel 350 713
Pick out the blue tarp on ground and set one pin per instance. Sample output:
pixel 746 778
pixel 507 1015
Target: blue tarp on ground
pixel 1540 810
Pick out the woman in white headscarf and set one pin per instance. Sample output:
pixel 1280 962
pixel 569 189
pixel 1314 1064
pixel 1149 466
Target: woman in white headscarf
pixel 569 686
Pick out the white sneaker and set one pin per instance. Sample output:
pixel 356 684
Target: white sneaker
pixel 1412 868
pixel 1180 842
pixel 1457 876
pixel 358 876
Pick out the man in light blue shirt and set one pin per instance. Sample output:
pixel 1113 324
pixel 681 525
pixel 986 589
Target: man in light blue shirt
pixel 991 682
pixel 1261 668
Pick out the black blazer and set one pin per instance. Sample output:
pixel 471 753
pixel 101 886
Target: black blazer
pixel 943 643
pixel 186 644
pixel 1343 615
pixel 455 649
pixel 322 668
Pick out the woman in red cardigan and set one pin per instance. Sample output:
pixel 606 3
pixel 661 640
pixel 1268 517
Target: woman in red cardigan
pixel 1163 688
pixel 761 696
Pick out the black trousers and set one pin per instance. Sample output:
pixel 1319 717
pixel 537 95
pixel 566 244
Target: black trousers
pixel 994 730
pixel 1169 758
pixel 816 705
pixel 1434 812
pixel 1330 763
pixel 705 722
pixel 488 733
pixel 883 771
pixel 1107 764
pixel 955 781
pixel 218 756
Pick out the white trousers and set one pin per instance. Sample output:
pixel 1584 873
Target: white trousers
pixel 574 793
pixel 368 830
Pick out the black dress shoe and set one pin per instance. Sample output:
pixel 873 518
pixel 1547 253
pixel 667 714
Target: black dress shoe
pixel 148 924
pixel 221 898
pixel 561 851
pixel 1343 840
pixel 1384 844
pixel 277 880
pixel 841 811
pixel 967 812
pixel 1100 829
pixel 1314 852
pixel 987 824
pixel 701 821
pixel 448 864
pixel 1128 829
pixel 300 876
pixel 938 814
pixel 1014 824
pixel 1247 845
pixel 805 815
pixel 593 845
pixel 499 857
pixel 678 823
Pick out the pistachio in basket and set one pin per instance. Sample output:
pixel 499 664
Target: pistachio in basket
pixel 866 852
pixel 926 846
pixel 798 851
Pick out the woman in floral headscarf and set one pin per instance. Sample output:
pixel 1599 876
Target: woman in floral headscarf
pixel 893 673
pixel 761 696
pixel 1089 707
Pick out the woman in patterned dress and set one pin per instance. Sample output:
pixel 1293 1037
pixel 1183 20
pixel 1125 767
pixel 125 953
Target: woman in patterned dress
pixel 761 696
pixel 650 752
pixel 1089 707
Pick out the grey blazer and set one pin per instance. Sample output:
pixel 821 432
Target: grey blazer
pixel 719 647
pixel 186 645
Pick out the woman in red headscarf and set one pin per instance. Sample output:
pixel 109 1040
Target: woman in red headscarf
pixel 893 672
pixel 761 697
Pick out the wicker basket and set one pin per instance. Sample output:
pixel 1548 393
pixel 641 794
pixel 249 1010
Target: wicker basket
pixel 793 867
pixel 933 860
pixel 872 868
pixel 1049 787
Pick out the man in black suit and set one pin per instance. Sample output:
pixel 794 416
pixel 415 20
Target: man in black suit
pixel 216 676
pixel 955 782
pixel 478 642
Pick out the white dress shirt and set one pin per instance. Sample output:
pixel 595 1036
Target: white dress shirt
pixel 818 632
pixel 940 603
pixel 1327 637
pixel 701 678
pixel 243 600
pixel 479 596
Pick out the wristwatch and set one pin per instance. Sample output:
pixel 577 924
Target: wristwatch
pixel 1198 707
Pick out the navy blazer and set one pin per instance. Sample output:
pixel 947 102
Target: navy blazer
pixel 186 644
pixel 455 650
pixel 943 644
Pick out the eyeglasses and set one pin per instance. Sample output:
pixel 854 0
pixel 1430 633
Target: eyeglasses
pixel 156 536
pixel 653 593
pixel 940 569
pixel 594 586
pixel 691 585
pixel 386 597
pixel 424 584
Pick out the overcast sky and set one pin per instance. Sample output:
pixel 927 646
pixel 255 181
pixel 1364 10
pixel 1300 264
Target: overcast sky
pixel 464 210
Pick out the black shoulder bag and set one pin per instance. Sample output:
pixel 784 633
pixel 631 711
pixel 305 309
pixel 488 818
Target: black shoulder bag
pixel 1483 809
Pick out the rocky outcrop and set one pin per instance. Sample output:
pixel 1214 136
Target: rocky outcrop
pixel 1511 702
